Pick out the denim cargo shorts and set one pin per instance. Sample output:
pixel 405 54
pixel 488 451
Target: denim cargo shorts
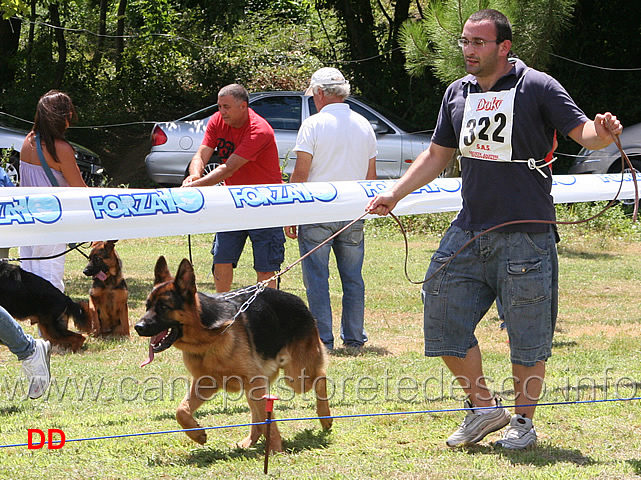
pixel 268 245
pixel 521 269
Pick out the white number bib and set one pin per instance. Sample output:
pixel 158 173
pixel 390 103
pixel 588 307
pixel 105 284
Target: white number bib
pixel 486 132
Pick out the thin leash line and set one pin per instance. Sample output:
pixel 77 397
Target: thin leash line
pixel 260 286
pixel 288 268
pixel 354 415
pixel 74 247
pixel 626 161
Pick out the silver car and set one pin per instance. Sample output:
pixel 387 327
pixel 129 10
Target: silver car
pixel 174 143
pixel 608 159
pixel 11 140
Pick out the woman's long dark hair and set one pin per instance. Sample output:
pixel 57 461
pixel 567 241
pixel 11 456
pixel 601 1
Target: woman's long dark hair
pixel 52 113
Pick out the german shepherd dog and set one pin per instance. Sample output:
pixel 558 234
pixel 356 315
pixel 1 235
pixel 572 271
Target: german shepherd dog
pixel 108 310
pixel 276 331
pixel 27 296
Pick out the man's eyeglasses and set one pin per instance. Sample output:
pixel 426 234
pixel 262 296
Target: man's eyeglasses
pixel 477 42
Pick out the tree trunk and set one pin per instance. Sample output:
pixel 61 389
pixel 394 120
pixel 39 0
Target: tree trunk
pixel 120 30
pixel 401 12
pixel 9 39
pixel 54 12
pixel 32 33
pixel 359 28
pixel 381 76
pixel 102 31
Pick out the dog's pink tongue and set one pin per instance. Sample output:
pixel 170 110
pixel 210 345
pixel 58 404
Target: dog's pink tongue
pixel 101 276
pixel 152 341
pixel 150 358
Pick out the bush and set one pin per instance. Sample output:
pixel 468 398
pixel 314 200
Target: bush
pixel 425 224
pixel 615 223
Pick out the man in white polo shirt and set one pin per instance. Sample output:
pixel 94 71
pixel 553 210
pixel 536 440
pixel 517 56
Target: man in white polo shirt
pixel 335 144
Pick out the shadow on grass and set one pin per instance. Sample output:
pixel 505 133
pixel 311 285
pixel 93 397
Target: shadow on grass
pixel 355 352
pixel 636 465
pixel 10 410
pixel 571 252
pixel 138 291
pixel 204 412
pixel 561 344
pixel 101 344
pixel 543 455
pixel 539 456
pixel 308 439
pixel 204 457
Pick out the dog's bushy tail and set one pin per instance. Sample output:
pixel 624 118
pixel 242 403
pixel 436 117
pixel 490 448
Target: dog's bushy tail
pixel 78 313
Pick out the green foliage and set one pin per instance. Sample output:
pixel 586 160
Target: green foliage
pixel 171 54
pixel 431 42
pixel 261 59
pixel 433 224
pixel 592 40
pixel 228 14
pixel 537 25
pixel 174 60
pixel 5 157
pixel 417 46
pixel 9 8
pixel 614 223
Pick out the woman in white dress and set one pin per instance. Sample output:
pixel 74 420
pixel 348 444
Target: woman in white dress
pixel 48 160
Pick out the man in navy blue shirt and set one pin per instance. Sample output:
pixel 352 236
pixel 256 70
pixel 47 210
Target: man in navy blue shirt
pixel 502 116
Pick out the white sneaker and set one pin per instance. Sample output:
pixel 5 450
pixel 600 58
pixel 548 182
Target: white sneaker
pixel 476 426
pixel 519 435
pixel 37 370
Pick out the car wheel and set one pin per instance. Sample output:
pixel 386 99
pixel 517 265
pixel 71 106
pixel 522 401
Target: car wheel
pixel 616 165
pixel 93 180
pixel 210 167
pixel 213 163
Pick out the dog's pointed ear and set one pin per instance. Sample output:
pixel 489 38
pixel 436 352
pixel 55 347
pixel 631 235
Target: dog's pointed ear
pixel 161 272
pixel 109 245
pixel 185 281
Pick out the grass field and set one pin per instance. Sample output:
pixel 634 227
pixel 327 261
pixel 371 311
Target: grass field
pixel 102 391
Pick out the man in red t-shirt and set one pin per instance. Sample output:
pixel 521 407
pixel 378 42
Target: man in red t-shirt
pixel 246 146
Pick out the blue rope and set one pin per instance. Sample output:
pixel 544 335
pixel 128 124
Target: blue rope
pixel 355 415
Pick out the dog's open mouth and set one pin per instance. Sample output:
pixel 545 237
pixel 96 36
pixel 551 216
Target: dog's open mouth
pixel 162 342
pixel 102 276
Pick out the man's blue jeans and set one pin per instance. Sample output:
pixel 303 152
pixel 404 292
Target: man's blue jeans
pixel 349 250
pixel 13 336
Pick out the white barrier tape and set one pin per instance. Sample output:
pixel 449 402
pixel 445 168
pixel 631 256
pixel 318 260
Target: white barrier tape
pixel 41 216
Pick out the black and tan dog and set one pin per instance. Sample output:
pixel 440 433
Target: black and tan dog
pixel 276 331
pixel 27 296
pixel 108 310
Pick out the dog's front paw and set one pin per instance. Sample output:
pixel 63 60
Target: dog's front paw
pixel 326 423
pixel 198 436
